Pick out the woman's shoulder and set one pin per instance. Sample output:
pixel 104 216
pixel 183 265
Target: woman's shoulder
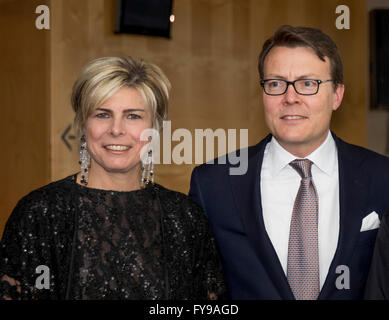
pixel 39 201
pixel 49 192
pixel 180 204
pixel 173 196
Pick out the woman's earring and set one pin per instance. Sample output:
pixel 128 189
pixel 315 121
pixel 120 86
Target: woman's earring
pixel 147 169
pixel 84 161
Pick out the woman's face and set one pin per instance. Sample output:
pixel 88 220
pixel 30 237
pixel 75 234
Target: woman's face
pixel 113 133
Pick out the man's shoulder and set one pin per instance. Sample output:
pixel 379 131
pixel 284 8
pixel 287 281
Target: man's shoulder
pixel 364 163
pixel 358 153
pixel 224 163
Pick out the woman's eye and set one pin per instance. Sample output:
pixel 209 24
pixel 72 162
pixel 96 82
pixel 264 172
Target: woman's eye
pixel 102 115
pixel 134 116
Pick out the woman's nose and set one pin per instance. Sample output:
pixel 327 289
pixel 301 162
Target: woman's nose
pixel 117 127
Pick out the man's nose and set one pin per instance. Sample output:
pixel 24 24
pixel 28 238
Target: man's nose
pixel 291 96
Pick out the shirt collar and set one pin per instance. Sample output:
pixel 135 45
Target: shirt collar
pixel 324 157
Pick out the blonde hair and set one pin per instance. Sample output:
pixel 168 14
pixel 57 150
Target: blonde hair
pixel 103 77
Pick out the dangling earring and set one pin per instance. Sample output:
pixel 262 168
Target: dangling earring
pixel 147 170
pixel 84 161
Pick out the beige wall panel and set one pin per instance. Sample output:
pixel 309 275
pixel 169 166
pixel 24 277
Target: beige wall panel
pixel 211 61
pixel 377 119
pixel 24 83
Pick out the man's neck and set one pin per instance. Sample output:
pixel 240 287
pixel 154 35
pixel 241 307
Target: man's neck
pixel 302 150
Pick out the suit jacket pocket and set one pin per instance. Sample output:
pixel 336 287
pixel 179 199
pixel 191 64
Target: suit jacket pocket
pixel 367 237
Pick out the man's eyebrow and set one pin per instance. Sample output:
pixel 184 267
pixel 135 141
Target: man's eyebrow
pixel 304 76
pixel 309 76
pixel 274 76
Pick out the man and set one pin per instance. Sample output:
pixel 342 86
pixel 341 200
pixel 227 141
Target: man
pixel 301 223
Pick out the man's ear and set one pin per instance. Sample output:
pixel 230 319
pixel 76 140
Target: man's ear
pixel 339 92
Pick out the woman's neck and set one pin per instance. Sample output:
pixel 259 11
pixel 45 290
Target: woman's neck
pixel 101 179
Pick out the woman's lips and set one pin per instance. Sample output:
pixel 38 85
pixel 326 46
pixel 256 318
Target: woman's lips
pixel 115 147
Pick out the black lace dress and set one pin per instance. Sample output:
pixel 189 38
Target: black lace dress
pixel 67 241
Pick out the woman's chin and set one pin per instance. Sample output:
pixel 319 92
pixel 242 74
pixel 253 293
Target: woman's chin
pixel 122 169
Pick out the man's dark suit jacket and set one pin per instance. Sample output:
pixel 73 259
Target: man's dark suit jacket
pixel 251 266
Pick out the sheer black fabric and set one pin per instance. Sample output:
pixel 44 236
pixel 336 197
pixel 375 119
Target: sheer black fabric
pixel 145 244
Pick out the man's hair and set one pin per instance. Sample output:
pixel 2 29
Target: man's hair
pixel 292 37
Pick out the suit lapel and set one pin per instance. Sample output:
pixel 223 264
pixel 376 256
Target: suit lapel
pixel 352 198
pixel 247 196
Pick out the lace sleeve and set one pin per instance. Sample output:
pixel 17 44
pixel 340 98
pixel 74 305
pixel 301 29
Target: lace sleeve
pixel 10 250
pixel 9 288
pixel 209 275
pixel 19 253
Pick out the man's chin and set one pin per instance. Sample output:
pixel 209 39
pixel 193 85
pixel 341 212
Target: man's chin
pixel 300 145
pixel 292 139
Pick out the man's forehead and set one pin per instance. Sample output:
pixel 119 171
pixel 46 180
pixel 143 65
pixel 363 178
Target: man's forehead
pixel 287 50
pixel 302 58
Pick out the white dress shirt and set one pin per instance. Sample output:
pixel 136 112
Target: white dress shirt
pixel 279 186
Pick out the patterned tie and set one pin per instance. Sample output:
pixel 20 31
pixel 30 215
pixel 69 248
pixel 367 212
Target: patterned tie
pixel 303 251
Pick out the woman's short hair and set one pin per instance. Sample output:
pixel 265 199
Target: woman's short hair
pixel 292 37
pixel 103 77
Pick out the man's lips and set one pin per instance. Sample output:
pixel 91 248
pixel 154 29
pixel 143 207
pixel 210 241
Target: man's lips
pixel 293 117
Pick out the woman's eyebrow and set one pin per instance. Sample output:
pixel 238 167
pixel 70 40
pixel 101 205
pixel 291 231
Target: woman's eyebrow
pixel 124 111
pixel 134 109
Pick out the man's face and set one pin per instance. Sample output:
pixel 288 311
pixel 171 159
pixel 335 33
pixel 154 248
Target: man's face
pixel 299 123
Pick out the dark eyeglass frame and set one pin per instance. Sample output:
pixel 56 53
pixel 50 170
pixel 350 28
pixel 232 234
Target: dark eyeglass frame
pixel 319 82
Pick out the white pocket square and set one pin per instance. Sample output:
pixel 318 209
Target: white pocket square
pixel 370 222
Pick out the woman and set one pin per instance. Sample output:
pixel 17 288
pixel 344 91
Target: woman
pixel 108 232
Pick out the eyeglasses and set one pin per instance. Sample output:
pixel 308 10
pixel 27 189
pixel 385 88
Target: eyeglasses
pixel 277 87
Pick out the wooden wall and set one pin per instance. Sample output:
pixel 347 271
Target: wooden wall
pixel 24 104
pixel 211 61
pixel 377 126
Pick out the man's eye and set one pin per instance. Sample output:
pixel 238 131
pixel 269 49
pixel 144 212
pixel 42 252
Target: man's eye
pixel 274 84
pixel 309 83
